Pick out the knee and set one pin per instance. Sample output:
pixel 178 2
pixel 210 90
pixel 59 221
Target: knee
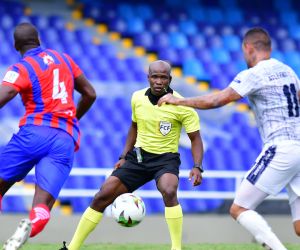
pixel 101 201
pixel 297 228
pixel 236 210
pixel 169 194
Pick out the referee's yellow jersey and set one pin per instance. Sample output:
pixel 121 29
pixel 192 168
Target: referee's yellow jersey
pixel 159 128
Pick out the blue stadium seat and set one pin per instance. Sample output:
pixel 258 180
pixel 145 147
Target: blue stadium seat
pixel 56 22
pixel 233 16
pixel 294 31
pixel 212 69
pixel 135 25
pixel 220 55
pixel 153 26
pixel 214 41
pixel 178 40
pixel 193 67
pixel 144 39
pixel 214 15
pixel 170 55
pixel 125 11
pixel 186 158
pixel 6 22
pixel 154 206
pixel 232 42
pixel 213 159
pixel 188 27
pixel 278 55
pixel 292 58
pixel 144 11
pixel 204 55
pixel 230 70
pixel 107 50
pixel 286 45
pixel 220 81
pixel 197 41
pixel 289 17
pixel 80 205
pixel 118 25
pixel 151 185
pixel 196 12
pixel 14 204
pixel 83 37
pixel 186 53
pixel 161 40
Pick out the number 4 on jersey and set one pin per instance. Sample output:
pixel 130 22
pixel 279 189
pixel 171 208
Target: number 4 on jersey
pixel 59 88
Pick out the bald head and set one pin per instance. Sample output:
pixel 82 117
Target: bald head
pixel 159 66
pixel 26 36
pixel 259 38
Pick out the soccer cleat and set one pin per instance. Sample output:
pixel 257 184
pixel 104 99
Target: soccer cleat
pixel 18 239
pixel 64 246
pixel 265 246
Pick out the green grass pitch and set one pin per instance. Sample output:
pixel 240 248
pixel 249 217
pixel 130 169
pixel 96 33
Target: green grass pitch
pixel 154 247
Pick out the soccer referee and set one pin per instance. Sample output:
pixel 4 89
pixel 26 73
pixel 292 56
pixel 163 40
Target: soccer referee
pixel 150 152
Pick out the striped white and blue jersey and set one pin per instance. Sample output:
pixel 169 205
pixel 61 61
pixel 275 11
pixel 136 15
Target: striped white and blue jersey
pixel 272 88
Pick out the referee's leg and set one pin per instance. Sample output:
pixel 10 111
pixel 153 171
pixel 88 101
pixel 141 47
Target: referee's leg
pixel 168 185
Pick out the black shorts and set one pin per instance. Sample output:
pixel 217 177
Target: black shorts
pixel 134 175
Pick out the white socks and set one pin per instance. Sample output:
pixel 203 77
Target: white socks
pixel 259 228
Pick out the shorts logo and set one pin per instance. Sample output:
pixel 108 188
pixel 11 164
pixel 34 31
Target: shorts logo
pixel 11 76
pixel 165 127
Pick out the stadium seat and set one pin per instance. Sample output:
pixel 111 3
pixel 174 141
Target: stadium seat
pixel 231 42
pixel 193 67
pixel 79 205
pixel 14 204
pixel 143 39
pixel 220 55
pixel 188 27
pixel 170 55
pixel 178 40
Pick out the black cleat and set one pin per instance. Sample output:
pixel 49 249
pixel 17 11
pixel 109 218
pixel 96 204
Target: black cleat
pixel 64 246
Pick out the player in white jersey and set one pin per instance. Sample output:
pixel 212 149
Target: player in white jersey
pixel 273 91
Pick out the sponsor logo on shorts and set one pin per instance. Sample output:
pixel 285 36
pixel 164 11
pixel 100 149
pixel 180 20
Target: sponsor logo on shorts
pixel 165 127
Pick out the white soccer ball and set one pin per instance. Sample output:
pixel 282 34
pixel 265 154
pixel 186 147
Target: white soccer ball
pixel 128 210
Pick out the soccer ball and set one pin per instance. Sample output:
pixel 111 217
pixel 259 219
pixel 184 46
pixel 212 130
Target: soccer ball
pixel 128 210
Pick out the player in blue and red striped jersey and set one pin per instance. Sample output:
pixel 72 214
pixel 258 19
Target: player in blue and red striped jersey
pixel 49 132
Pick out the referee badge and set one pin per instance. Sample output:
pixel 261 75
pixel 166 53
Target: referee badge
pixel 165 127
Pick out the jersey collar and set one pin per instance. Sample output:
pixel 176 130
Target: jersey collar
pixel 33 51
pixel 153 98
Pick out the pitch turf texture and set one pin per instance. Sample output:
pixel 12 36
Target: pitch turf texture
pixel 156 247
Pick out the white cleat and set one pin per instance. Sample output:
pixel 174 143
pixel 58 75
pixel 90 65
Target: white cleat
pixel 18 239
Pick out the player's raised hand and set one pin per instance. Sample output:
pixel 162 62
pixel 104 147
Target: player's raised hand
pixel 195 176
pixel 168 99
pixel 119 163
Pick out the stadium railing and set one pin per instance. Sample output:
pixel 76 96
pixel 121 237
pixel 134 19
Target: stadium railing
pixel 237 176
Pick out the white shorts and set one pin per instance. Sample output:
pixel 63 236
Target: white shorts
pixel 277 167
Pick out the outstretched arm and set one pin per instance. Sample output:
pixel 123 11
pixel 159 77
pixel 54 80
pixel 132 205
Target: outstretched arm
pixel 209 101
pixel 6 94
pixel 88 95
